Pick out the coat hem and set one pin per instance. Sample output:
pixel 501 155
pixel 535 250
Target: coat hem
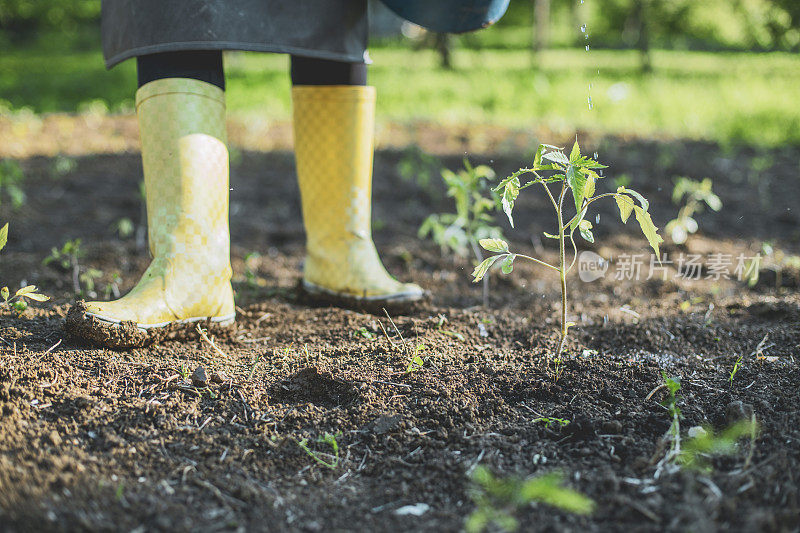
pixel 231 45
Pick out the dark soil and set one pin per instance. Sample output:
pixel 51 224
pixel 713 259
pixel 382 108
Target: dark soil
pixel 139 440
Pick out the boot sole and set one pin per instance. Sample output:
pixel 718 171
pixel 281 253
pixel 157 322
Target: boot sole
pixel 403 302
pixel 117 334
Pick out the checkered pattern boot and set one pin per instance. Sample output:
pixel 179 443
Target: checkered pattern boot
pixel 333 131
pixel 185 159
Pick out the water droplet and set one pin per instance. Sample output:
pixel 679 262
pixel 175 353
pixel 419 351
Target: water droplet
pixel 596 155
pixel 583 28
pixel 589 100
pixel 587 47
pixel 597 219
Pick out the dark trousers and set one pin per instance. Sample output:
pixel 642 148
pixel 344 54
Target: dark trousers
pixel 206 65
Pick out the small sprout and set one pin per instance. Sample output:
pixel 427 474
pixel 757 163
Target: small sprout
pixel 123 227
pixel 11 178
pixel 551 421
pixel 736 366
pixel 497 500
pixel 698 450
pixel 363 332
pixel 577 177
pixel 416 362
pixel 18 300
pixel 328 439
pixel 418 166
pixel 459 232
pixel 695 193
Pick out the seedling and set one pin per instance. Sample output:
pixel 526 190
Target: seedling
pixel 695 194
pixel 673 385
pixel 363 332
pixel 11 177
pixel 418 166
pixel 67 258
pixel 735 369
pixel 123 227
pixel 707 443
pixel 575 173
pixel 442 320
pixel 460 232
pixel 497 499
pixel 551 421
pixel 18 300
pixel 416 362
pixel 328 439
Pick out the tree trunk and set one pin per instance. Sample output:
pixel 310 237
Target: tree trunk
pixel 640 15
pixel 444 45
pixel 541 25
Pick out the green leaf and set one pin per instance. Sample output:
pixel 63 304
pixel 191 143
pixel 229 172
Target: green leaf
pixel 481 269
pixel 494 245
pixel 588 189
pixel 4 293
pixel 537 159
pixel 556 157
pixel 576 182
pixel 649 229
pixel 25 290
pixel 642 199
pixel 3 236
pixel 575 154
pixel 625 204
pixel 585 227
pixel 508 264
pixel 510 194
pixel 36 296
pixel 547 489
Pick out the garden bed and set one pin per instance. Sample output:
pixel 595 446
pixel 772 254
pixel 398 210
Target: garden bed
pixel 98 439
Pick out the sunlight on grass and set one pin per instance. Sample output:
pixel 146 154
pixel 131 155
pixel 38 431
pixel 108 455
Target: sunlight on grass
pixel 726 97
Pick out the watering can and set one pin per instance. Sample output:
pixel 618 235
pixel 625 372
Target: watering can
pixel 450 16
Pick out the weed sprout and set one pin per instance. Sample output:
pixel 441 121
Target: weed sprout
pixel 18 299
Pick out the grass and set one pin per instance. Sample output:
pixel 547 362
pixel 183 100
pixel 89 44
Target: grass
pixel 726 97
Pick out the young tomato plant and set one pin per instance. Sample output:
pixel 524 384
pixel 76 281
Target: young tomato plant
pixel 460 232
pixel 576 175
pixel 17 301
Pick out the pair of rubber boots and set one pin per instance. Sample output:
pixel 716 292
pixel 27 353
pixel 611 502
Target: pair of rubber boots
pixel 185 160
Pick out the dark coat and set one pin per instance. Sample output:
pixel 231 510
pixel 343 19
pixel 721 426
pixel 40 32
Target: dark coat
pixel 325 29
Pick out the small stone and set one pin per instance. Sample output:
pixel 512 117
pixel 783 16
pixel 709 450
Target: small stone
pixel 219 377
pixel 697 432
pixel 199 377
pixel 612 427
pixel 54 438
pixel 736 411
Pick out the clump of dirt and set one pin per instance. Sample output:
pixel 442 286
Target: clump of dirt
pixel 309 385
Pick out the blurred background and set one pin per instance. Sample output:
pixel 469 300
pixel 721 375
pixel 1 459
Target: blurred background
pixel 722 70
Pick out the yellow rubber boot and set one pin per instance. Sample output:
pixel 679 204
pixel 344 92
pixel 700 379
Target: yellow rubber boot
pixel 185 160
pixel 333 142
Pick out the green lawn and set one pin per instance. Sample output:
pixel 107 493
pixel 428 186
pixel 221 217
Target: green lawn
pixel 727 97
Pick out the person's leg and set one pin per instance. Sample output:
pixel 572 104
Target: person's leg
pixel 334 120
pixel 180 105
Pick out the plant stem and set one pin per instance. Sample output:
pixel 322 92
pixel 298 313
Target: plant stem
pixel 562 272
